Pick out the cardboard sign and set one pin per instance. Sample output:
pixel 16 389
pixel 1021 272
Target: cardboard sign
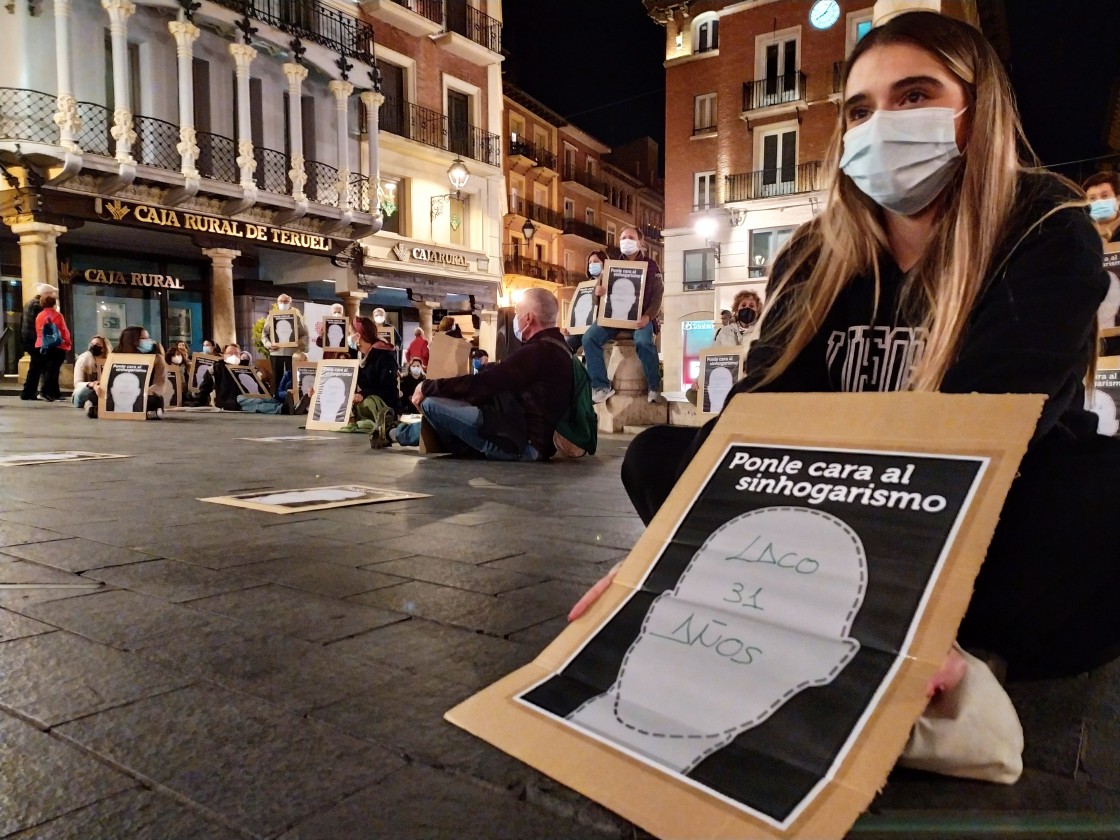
pixel 756 666
pixel 1103 399
pixel 1108 313
pixel 581 312
pixel 282 330
pixel 303 379
pixel 335 383
pixel 448 357
pixel 387 334
pixel 333 331
pixel 248 381
pixel 201 364
pixel 720 369
pixel 313 498
pixel 625 282
pixel 124 386
pixel 68 456
pixel 175 380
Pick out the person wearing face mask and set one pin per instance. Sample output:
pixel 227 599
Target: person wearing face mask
pixel 219 384
pixel 280 358
pixel 137 340
pixel 985 272
pixel 509 410
pixel 741 329
pixel 87 370
pixel 209 347
pixel 377 373
pixel 630 242
pixel 411 381
pixel 1103 192
pixel 595 262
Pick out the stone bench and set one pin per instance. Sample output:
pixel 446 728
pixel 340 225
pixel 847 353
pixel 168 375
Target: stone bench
pixel 629 406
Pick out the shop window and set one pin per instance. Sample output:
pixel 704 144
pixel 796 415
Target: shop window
pixel 699 269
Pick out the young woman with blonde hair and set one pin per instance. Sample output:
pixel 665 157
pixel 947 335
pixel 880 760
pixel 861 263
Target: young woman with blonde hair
pixel 945 261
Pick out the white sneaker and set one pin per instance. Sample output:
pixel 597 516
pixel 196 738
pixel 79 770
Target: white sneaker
pixel 655 397
pixel 601 395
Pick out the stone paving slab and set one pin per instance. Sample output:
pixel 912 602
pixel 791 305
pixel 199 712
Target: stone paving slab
pixel 16 626
pixel 136 815
pixel 42 777
pixel 77 555
pixel 291 673
pixel 256 766
pixel 300 614
pixel 459 575
pixel 24 584
pixel 171 580
pixel 420 802
pixel 320 577
pixel 118 618
pixel 55 677
pixel 14 533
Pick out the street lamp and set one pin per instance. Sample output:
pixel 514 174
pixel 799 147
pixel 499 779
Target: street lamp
pixel 458 174
pixel 706 226
pixel 528 229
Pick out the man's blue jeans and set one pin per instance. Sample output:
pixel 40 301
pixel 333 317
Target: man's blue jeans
pixel 596 337
pixel 456 420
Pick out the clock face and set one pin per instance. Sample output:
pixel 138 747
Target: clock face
pixel 824 13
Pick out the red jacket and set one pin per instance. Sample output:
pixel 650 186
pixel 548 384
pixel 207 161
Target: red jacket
pixel 418 349
pixel 59 321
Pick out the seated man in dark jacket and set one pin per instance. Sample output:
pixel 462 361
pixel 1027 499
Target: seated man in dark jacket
pixel 507 411
pixel 219 381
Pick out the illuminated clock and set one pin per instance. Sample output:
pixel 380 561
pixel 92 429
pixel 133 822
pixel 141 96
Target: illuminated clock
pixel 824 13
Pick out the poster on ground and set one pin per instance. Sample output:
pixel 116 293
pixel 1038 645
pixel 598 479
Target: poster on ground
pixel 68 456
pixel 125 380
pixel 756 665
pixel 313 498
pixel 335 384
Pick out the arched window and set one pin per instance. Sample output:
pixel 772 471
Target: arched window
pixel 705 33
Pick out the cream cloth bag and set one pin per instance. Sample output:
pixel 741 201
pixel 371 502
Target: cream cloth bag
pixel 972 731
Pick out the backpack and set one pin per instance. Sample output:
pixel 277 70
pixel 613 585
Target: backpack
pixel 577 431
pixel 52 337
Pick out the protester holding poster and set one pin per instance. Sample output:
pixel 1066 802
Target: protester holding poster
pixel 934 270
pixel 630 242
pixel 581 311
pixel 136 340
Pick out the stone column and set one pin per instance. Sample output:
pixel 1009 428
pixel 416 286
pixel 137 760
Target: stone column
pixel 185 34
pixel 296 74
pixel 119 13
pixel 243 56
pixel 224 322
pixel 66 118
pixel 373 102
pixel 352 301
pixel 38 264
pixel 342 91
pixel 425 309
pixel 38 255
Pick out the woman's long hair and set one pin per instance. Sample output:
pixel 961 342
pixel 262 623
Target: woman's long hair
pixel 129 342
pixel 848 238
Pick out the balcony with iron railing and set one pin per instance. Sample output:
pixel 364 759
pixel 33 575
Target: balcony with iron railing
pixel 574 227
pixel 536 212
pixel 537 155
pixel 574 175
pixel 413 122
pixel 785 90
pixel 27 116
pixel 771 183
pixel 478 26
pixel 515 262
pixel 312 20
pixel 651 232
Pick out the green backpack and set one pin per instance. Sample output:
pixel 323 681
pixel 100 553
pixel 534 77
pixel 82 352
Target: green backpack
pixel 578 429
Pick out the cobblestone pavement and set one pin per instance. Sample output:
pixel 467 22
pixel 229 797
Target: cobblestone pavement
pixel 176 669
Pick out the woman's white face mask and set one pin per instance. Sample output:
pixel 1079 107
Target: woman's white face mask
pixel 902 160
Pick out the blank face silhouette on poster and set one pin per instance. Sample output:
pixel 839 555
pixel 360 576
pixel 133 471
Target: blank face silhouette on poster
pixel 331 405
pixel 622 302
pixel 125 393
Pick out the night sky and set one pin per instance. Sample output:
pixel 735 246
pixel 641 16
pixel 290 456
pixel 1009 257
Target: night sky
pixel 598 62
